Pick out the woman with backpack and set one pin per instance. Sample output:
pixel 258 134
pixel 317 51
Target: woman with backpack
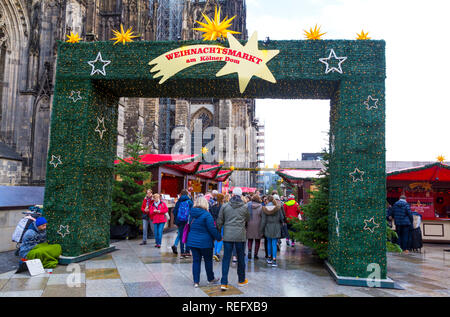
pixel 272 219
pixel 202 233
pixel 181 213
pixel 157 213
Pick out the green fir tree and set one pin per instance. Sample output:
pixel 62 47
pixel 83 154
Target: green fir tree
pixel 312 231
pixel 129 189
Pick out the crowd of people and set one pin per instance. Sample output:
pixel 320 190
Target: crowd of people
pixel 214 221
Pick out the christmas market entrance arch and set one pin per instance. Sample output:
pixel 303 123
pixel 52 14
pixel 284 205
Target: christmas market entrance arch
pixel 91 77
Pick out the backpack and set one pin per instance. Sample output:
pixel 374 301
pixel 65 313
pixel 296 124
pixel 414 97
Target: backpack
pixel 22 226
pixel 183 211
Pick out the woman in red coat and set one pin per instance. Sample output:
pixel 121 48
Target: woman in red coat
pixel 158 211
pixel 292 210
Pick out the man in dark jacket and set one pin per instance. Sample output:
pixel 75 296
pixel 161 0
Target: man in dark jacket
pixel 232 217
pixel 401 212
pixel 180 221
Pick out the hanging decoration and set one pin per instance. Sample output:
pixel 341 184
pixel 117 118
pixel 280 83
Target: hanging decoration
pixel 73 38
pixel 247 61
pixel 363 36
pixel 124 37
pixel 314 34
pixel 93 62
pixel 328 59
pixel 371 103
pixel 215 28
pixel 357 175
pixel 102 129
pixel 55 164
pixel 73 97
pixel 370 225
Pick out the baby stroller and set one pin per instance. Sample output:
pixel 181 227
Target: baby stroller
pixel 31 215
pixel 415 234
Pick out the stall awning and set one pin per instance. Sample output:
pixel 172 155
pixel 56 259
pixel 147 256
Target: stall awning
pixel 208 171
pixel 223 175
pixel 436 172
pixel 245 189
pixel 297 176
pixel 163 159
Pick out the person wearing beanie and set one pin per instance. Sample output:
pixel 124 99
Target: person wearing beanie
pixel 292 211
pixel 233 217
pixel 34 245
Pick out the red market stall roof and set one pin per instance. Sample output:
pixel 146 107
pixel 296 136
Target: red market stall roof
pixel 223 175
pixel 162 159
pixel 208 171
pixel 245 189
pixel 436 172
pixel 187 164
pixel 296 176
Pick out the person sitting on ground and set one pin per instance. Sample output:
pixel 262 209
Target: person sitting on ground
pixel 34 245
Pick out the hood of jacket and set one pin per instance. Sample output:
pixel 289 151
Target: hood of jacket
pixel 401 202
pixel 271 209
pixel 290 202
pixel 255 205
pixel 236 202
pixel 184 198
pixel 197 212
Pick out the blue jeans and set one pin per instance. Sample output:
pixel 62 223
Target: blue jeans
pixel 197 255
pixel 159 227
pixel 403 236
pixel 183 247
pixel 228 250
pixel 272 247
pixel 218 245
pixel 144 229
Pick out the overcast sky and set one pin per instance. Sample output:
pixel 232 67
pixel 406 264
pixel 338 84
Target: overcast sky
pixel 417 84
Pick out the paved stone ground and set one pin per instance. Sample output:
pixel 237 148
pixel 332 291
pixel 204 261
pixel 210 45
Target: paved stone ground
pixel 142 271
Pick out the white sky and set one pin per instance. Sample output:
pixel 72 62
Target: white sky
pixel 417 84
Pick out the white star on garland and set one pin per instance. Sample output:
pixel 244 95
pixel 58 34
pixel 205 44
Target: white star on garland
pixel 55 164
pixel 337 224
pixel 359 175
pixel 333 69
pixel 369 103
pixel 105 63
pixel 97 129
pixel 73 97
pixel 371 221
pixel 66 228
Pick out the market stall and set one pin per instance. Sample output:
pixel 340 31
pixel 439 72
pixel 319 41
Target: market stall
pixel 427 190
pixel 301 180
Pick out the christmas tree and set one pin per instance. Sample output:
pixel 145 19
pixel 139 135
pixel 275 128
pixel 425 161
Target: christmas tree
pixel 312 231
pixel 129 187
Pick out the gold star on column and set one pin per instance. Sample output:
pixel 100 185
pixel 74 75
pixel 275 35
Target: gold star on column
pixel 246 69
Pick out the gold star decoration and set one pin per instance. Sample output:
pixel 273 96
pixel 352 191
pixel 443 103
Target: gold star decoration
pixel 314 34
pixel 363 36
pixel 73 38
pixel 215 28
pixel 221 162
pixel 441 158
pixel 123 36
pixel 204 150
pixel 231 168
pixel 246 69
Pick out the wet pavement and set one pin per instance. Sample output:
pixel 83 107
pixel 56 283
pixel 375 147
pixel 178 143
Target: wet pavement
pixel 144 271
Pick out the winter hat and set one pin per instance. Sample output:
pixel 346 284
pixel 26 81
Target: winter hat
pixel 237 191
pixel 291 196
pixel 276 197
pixel 40 221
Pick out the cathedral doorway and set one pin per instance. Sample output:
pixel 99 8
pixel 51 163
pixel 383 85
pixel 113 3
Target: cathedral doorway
pixel 91 77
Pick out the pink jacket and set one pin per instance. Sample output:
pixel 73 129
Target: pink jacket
pixel 158 217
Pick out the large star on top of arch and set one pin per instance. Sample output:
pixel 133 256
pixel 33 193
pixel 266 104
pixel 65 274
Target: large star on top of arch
pixel 247 69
